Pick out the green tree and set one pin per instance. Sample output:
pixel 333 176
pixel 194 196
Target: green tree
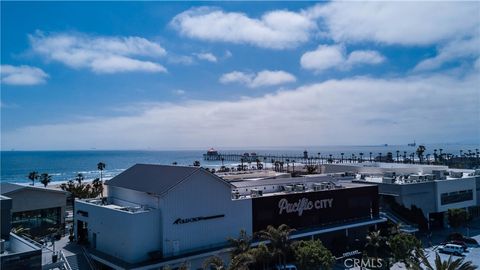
pixel 33 176
pixel 261 255
pixel 420 150
pixel 214 262
pixel 97 188
pixel 403 246
pixel 312 255
pixel 457 217
pixel 45 179
pixel 79 178
pixel 101 166
pixel 279 241
pixel 439 264
pixel 375 241
pixel 241 261
pixel 241 244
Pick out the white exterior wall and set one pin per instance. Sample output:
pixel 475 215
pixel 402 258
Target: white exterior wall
pixel 127 236
pixel 125 196
pixel 200 195
pixel 452 185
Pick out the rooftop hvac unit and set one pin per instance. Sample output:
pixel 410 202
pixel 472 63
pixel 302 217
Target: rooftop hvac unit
pixel 389 174
pixel 388 180
pixel 299 187
pixel 288 188
pixel 236 194
pixel 256 192
pixel 414 177
pixel 456 174
pixel 429 177
pixel 439 174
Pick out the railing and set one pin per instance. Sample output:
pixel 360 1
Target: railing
pixel 91 264
pixel 65 262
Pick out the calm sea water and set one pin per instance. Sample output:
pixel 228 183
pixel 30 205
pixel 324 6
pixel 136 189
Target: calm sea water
pixel 64 165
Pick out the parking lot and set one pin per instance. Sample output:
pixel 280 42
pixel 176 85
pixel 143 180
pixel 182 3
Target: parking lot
pixel 472 254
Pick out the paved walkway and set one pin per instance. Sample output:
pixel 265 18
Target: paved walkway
pixel 73 253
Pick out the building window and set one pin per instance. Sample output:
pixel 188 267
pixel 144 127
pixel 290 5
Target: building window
pixel 37 220
pixel 456 197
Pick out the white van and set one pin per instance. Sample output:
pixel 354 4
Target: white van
pixel 452 249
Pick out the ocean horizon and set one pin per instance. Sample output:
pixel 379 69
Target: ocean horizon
pixel 64 165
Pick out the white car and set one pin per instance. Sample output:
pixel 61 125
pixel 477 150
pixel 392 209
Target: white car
pixel 452 249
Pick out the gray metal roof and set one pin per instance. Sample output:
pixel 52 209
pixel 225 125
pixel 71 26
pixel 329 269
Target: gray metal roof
pixel 6 188
pixel 156 179
pixel 281 181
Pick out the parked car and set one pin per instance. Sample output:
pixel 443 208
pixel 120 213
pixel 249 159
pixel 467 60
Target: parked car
pixel 457 242
pixel 286 267
pixel 470 242
pixel 452 249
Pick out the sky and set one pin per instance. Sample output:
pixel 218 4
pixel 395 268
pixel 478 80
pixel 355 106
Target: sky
pixel 181 75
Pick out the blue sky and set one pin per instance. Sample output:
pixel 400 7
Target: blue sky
pixel 152 75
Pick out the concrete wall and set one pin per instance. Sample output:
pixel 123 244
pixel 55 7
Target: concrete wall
pixel 198 196
pixel 453 185
pixel 36 198
pixel 127 236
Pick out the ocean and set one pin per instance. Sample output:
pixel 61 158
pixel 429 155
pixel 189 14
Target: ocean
pixel 65 165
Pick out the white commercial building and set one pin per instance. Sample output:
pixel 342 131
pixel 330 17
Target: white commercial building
pixel 158 215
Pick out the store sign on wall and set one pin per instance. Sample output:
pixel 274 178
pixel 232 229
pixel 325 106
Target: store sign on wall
pixel 302 205
pixel 195 219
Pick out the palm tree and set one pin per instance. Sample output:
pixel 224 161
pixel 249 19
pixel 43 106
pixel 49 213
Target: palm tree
pixel 398 152
pixel 279 240
pixel 439 264
pixel 374 241
pixel 45 178
pixel 420 151
pixel 241 262
pixel 361 157
pixel 33 176
pixel 371 156
pixel 79 178
pixel 196 163
pixel 261 255
pixel 214 261
pixel 241 244
pixel 342 157
pixel 101 167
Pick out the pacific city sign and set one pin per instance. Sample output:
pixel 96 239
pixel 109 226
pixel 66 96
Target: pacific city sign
pixel 302 205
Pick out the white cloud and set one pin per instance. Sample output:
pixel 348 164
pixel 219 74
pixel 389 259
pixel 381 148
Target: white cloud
pixel 452 51
pixel 277 29
pixel 355 110
pixel 236 76
pixel 22 75
pixel 403 22
pixel 179 92
pixel 206 56
pixel 334 56
pixel 98 53
pixel 262 78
